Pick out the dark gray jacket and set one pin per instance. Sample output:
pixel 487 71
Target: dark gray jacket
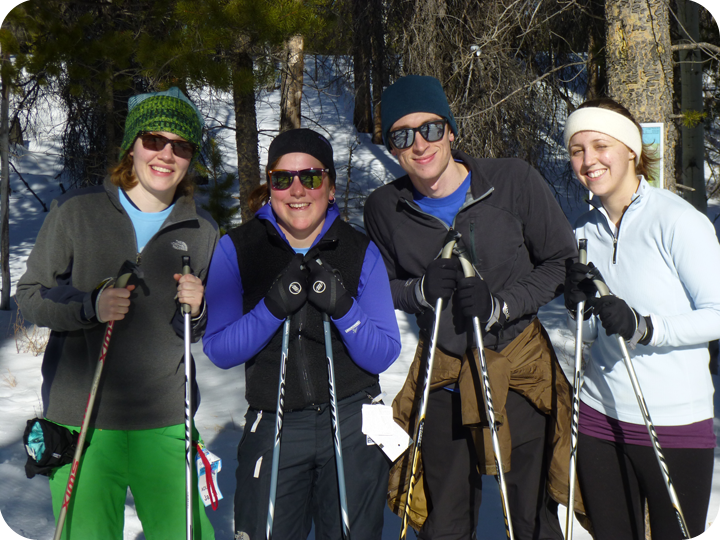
pixel 85 238
pixel 512 228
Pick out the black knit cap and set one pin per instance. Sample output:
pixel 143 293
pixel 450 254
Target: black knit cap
pixel 413 94
pixel 304 141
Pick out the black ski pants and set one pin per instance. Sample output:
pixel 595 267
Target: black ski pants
pixel 307 488
pixel 614 478
pixel 455 488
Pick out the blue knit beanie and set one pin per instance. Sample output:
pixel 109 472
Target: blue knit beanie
pixel 412 94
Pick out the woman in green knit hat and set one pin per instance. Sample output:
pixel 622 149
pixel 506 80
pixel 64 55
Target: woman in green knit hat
pixel 143 214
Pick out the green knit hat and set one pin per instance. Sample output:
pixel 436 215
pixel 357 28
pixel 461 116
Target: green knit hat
pixel 169 111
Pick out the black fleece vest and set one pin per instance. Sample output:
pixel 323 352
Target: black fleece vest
pixel 262 256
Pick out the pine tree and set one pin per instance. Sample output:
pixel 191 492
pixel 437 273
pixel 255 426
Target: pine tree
pixel 220 183
pixel 244 39
pixel 97 54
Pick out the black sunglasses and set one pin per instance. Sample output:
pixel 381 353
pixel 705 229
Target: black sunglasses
pixel 154 142
pixel 310 178
pixel 431 132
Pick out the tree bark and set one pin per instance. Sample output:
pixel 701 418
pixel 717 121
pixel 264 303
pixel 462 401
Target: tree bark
pixel 422 50
pixel 4 189
pixel 111 145
pixel 692 168
pixel 246 134
pixel 596 78
pixel 292 84
pixel 362 54
pixel 639 67
pixel 378 66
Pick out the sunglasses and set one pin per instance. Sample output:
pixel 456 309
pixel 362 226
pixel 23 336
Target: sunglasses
pixel 182 149
pixel 431 132
pixel 309 178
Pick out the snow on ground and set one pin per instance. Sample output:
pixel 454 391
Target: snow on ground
pixel 25 504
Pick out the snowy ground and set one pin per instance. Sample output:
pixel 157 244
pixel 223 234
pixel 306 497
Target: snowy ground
pixel 25 504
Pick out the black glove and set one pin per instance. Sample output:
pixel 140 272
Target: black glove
pixel 289 292
pixel 440 280
pixel 619 318
pixel 474 298
pixel 579 286
pixel 326 292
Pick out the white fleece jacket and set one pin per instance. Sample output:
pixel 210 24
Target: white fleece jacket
pixel 664 261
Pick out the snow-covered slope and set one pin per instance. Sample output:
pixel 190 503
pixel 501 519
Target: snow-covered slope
pixel 25 504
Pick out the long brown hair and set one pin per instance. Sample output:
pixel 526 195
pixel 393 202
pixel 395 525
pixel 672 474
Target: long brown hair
pixel 649 159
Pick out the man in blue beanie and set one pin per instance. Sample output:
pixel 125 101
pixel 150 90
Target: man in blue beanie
pixel 518 240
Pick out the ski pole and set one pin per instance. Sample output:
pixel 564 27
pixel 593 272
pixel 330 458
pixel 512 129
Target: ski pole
pixel 449 244
pixel 120 283
pixel 577 384
pixel 469 271
pixel 278 429
pixel 185 308
pixel 604 291
pixel 336 429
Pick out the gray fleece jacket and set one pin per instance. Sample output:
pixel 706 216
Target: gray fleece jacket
pixel 85 238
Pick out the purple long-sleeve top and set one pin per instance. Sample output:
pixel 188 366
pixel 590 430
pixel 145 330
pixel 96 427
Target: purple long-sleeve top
pixel 369 329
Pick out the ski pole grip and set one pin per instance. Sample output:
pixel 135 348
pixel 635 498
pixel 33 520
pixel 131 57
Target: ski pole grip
pixel 468 270
pixel 601 287
pixel 450 239
pixel 121 281
pixel 185 271
pixel 582 251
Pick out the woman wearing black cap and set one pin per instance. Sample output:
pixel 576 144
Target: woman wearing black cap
pixel 259 276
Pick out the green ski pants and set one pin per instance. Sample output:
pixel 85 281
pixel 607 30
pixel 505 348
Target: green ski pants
pixel 151 463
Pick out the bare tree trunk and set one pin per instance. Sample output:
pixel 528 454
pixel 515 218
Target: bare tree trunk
pixel 692 169
pixel 378 66
pixel 422 51
pixel 111 145
pixel 5 190
pixel 292 84
pixel 592 82
pixel 596 79
pixel 362 54
pixel 246 134
pixel 639 65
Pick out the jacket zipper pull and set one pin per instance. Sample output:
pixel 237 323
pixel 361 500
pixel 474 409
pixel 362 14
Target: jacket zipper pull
pixel 615 242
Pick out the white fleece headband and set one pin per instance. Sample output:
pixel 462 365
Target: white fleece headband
pixel 605 121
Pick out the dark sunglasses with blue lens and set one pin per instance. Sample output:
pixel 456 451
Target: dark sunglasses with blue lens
pixel 430 131
pixel 309 178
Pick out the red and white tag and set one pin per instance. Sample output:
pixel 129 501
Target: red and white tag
pixel 208 466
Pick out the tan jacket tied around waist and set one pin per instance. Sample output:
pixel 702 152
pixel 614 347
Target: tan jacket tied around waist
pixel 528 365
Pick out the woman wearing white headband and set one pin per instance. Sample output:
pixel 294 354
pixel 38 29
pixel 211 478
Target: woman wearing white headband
pixel 654 251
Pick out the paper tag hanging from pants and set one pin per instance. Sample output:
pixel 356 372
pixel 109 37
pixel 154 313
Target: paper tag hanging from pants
pixel 378 424
pixel 208 466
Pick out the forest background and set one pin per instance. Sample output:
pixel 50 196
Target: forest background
pixel 512 70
